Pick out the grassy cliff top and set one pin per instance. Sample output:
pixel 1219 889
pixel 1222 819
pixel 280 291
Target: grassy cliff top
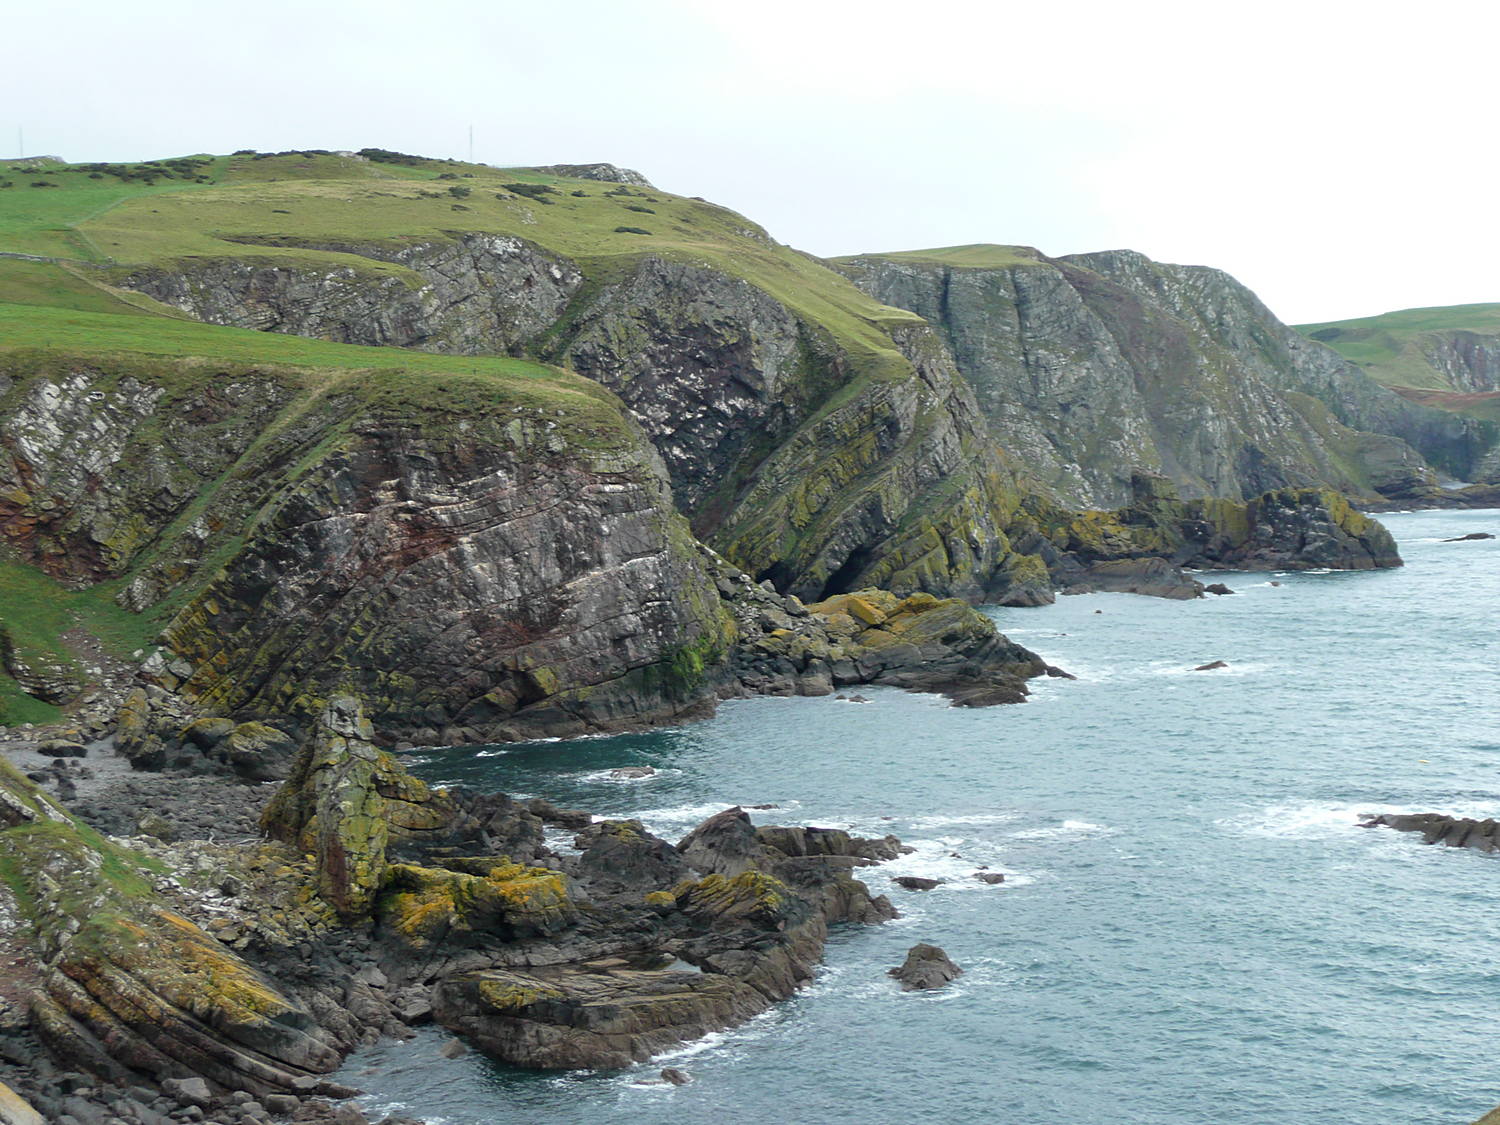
pixel 1388 346
pixel 978 255
pixel 99 221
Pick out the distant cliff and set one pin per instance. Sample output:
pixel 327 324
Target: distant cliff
pixel 1092 366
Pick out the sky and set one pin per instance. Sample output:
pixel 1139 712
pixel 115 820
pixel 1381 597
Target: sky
pixel 1338 158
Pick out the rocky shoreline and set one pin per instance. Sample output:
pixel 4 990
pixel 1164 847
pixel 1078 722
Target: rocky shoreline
pixel 209 974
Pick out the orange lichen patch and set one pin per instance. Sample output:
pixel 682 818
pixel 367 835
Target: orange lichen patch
pixel 509 994
pixel 422 904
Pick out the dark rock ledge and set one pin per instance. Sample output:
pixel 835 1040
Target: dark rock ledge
pixel 1438 828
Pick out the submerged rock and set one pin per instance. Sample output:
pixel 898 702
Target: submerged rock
pixel 1472 536
pixel 1211 666
pixel 926 967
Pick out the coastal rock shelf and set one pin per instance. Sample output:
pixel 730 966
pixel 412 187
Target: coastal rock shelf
pixel 382 901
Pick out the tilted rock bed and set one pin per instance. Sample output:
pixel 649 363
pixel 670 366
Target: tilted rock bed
pixel 380 903
pixel 1439 828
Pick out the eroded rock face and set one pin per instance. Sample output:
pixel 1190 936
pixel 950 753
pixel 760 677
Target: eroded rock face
pixel 476 293
pixel 1092 366
pixel 81 496
pixel 492 582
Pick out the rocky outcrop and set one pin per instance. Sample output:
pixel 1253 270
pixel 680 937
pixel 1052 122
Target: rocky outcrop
pixel 1091 366
pixel 132 988
pixel 344 803
pixel 608 173
pixel 474 293
pixel 745 921
pixel 1290 529
pixel 1438 828
pixel 926 967
pixel 919 642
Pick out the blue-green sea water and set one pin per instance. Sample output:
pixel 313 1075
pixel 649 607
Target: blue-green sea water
pixel 1192 929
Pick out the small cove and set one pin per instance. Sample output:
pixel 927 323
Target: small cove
pixel 1191 928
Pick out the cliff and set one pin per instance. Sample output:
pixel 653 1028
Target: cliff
pixel 1444 358
pixel 265 421
pixel 1092 366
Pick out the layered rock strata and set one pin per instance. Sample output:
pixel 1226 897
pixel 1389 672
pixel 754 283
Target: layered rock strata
pixel 1092 366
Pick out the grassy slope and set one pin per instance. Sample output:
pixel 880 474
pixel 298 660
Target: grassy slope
pixel 578 218
pixel 1386 348
pixel 979 255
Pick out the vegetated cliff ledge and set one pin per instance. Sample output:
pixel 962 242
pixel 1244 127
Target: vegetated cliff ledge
pixel 480 557
pixel 1091 366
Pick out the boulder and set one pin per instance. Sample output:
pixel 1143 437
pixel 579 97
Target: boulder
pixel 207 733
pixel 925 967
pixel 632 773
pixel 1217 588
pixel 916 882
pixel 1211 666
pixel 622 853
pixel 258 752
pixel 474 898
pixel 62 748
pixel 993 878
pixel 189 1091
pixel 155 825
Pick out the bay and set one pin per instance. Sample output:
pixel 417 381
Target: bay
pixel 1192 927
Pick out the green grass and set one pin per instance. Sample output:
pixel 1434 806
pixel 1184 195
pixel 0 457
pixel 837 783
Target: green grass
pixel 44 283
pixel 978 255
pixel 1388 347
pixel 286 221
pixel 279 208
pixel 37 610
pixel 41 220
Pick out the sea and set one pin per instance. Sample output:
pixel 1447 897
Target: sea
pixel 1192 928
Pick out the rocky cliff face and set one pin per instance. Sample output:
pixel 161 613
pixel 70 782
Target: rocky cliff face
pixel 803 461
pixel 1227 312
pixel 472 294
pixel 1091 366
pixel 492 565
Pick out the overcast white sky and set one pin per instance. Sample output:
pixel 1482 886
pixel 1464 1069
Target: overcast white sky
pixel 1339 158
